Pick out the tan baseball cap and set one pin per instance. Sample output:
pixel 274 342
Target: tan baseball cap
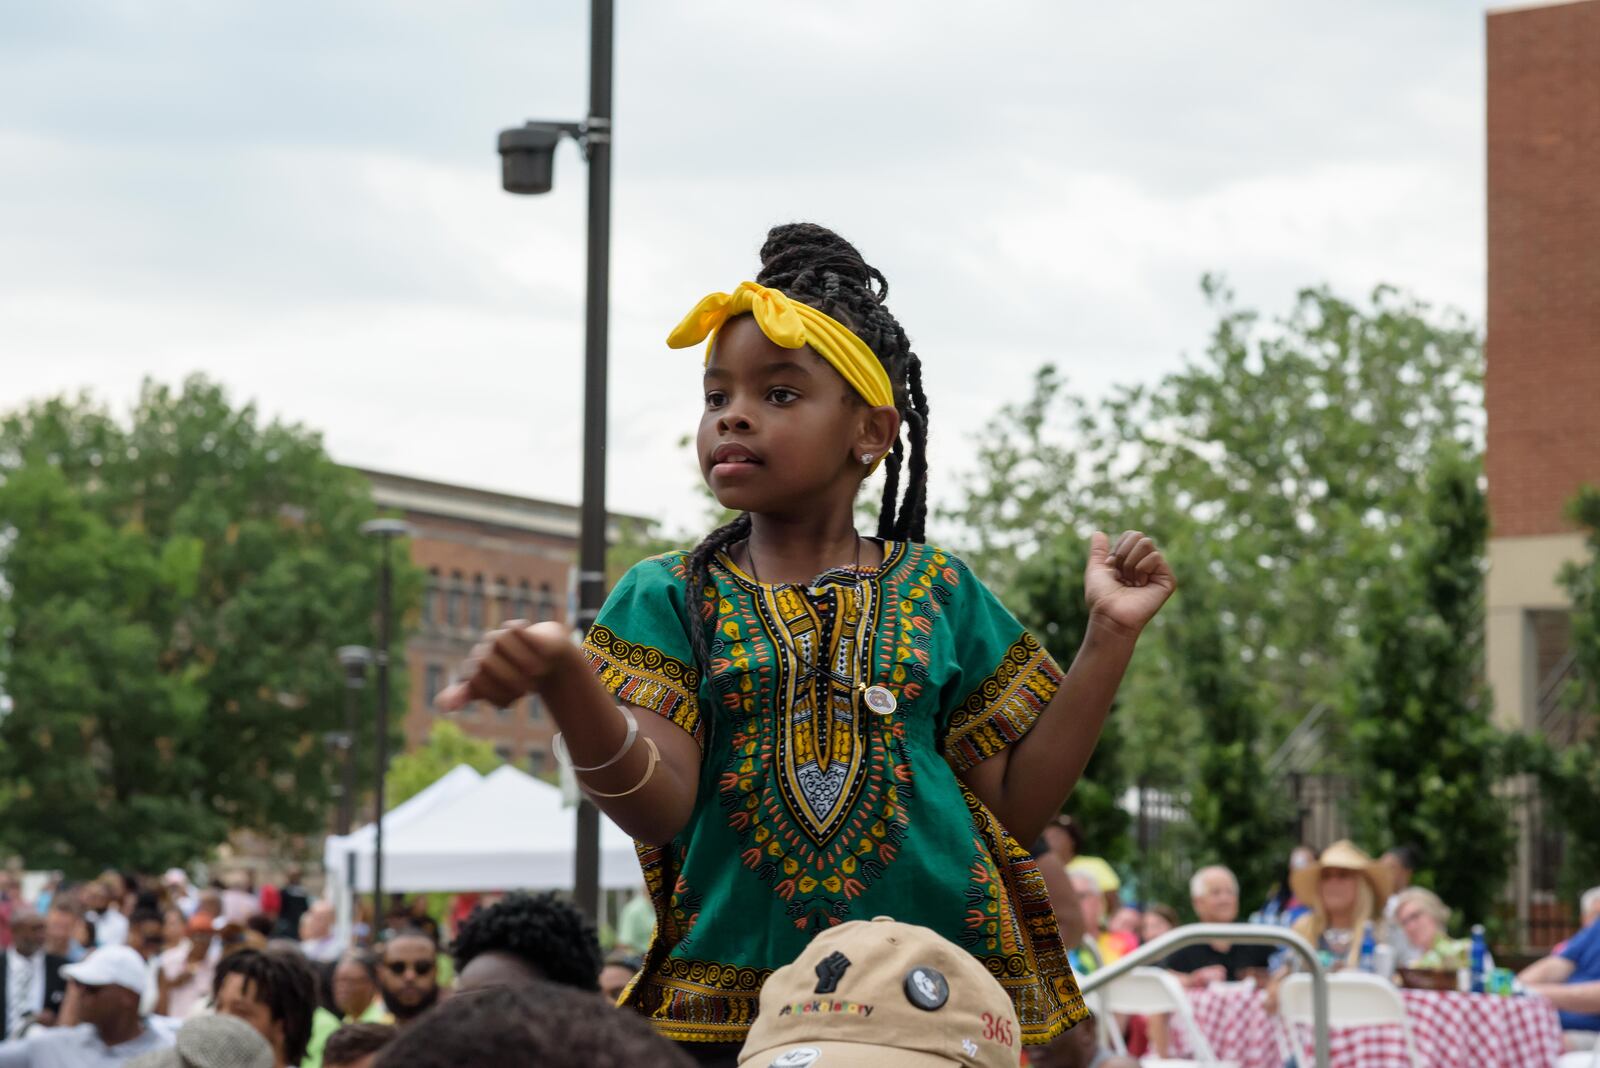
pixel 885 995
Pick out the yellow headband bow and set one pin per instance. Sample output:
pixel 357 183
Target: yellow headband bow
pixel 791 324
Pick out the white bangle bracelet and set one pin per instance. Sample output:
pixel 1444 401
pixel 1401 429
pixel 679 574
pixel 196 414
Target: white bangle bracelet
pixel 559 744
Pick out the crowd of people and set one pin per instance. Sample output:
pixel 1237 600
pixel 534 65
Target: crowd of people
pixel 1359 913
pixel 121 970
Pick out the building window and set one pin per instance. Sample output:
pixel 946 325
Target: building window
pixel 535 707
pixel 503 712
pixel 475 604
pixel 524 609
pixel 452 601
pixel 538 761
pixel 504 753
pixel 501 608
pixel 430 600
pixel 546 608
pixel 434 682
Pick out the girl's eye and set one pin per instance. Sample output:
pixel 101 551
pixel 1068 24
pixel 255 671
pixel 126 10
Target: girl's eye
pixel 782 395
pixel 716 399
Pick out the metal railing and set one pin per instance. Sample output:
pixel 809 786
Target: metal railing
pixel 1248 934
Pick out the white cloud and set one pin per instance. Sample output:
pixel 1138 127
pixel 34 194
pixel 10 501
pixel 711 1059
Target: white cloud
pixel 303 201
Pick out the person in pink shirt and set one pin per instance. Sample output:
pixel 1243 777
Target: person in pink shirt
pixel 185 971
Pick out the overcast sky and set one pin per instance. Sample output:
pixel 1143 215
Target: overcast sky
pixel 302 200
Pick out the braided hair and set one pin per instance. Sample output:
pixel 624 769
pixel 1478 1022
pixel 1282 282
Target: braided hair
pixel 281 979
pixel 814 265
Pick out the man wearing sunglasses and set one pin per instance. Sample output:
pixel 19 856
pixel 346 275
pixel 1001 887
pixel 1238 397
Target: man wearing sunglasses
pixel 409 977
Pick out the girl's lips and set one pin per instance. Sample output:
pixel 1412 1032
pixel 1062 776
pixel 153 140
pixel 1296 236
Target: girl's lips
pixel 734 468
pixel 732 452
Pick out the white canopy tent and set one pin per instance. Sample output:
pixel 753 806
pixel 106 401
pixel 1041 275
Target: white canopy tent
pixel 339 852
pixel 503 831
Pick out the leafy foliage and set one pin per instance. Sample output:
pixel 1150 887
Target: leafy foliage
pixel 177 587
pixel 1279 471
pixel 447 746
pixel 1425 752
pixel 1571 776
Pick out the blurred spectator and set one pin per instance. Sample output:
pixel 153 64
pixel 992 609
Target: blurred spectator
pixel 1422 919
pixel 180 893
pixel 1570 980
pixel 61 927
pixel 107 924
pixel 636 924
pixel 618 970
pixel 1127 920
pixel 238 902
pixel 174 927
pixel 33 986
pixel 355 988
pixel 10 901
pixel 1588 913
pixel 102 1025
pixel 212 1042
pixel 274 991
pixel 293 902
pixel 147 933
pixel 1282 908
pixel 409 978
pixel 932 1003
pixel 1214 893
pixel 532 1025
pixel 357 1045
pixel 526 937
pixel 1400 866
pixel 187 969
pixel 317 938
pixel 1158 920
pixel 1346 890
pixel 1109 946
pixel 1065 838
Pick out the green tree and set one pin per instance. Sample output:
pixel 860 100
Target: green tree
pixel 1571 776
pixel 447 746
pixel 177 586
pixel 1425 752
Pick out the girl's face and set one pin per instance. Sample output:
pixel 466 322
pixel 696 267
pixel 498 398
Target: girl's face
pixel 1155 925
pixel 1338 889
pixel 780 428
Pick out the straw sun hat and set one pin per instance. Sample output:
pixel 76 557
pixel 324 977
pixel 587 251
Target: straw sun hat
pixel 1346 856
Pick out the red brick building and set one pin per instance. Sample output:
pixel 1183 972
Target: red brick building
pixel 1543 345
pixel 1543 379
pixel 489 556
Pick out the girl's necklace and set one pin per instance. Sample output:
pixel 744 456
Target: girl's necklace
pixel 877 698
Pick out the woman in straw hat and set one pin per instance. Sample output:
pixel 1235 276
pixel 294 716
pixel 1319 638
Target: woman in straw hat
pixel 1346 890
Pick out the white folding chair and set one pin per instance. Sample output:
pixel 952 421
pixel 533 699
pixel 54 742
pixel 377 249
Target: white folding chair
pixel 1583 1058
pixel 1354 1000
pixel 1154 992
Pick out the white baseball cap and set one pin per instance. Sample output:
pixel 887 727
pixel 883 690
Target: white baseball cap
pixel 110 966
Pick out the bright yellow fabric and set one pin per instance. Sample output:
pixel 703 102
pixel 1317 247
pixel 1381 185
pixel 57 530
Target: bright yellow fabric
pixel 790 324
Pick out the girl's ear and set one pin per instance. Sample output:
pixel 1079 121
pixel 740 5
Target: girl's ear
pixel 877 433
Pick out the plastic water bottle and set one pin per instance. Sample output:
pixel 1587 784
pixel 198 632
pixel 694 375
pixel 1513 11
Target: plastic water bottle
pixel 1367 946
pixel 1480 954
pixel 1383 961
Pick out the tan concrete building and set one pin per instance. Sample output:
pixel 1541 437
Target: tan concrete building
pixel 489 557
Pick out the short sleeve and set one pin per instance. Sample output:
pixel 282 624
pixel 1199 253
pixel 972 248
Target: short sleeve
pixel 1583 950
pixel 1004 678
pixel 639 644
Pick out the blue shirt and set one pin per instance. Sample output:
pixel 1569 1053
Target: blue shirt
pixel 1584 953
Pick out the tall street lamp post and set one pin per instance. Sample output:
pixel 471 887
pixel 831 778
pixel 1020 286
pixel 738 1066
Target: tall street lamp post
pixel 354 659
pixel 386 531
pixel 527 155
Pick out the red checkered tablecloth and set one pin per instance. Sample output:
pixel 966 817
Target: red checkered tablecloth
pixel 1451 1031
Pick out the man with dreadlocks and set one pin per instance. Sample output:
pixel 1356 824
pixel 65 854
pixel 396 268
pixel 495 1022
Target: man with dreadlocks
pixel 803 726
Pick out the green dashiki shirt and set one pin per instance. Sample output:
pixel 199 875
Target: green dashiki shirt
pixel 812 809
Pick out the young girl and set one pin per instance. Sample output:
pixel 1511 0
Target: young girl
pixel 801 725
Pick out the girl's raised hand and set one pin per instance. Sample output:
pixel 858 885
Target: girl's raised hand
pixel 1127 583
pixel 509 662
